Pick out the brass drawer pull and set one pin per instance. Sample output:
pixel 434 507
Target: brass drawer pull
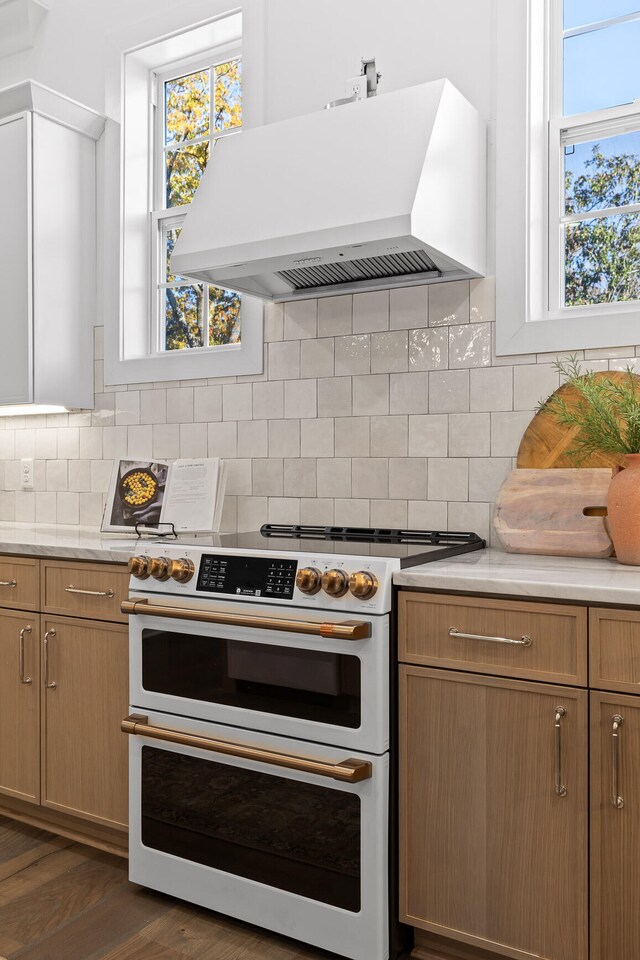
pixel 23 679
pixel 349 771
pixel 347 630
pixel 616 723
pixel 560 789
pixel 90 593
pixel 524 641
pixel 49 684
pixel 8 583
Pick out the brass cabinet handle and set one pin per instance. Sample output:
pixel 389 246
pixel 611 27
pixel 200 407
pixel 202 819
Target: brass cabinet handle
pixel 347 630
pixel 90 593
pixel 349 771
pixel 616 723
pixel 23 679
pixel 524 641
pixel 560 788
pixel 8 583
pixel 49 684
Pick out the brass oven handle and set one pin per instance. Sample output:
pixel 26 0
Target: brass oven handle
pixel 616 723
pixel 23 679
pixel 49 684
pixel 8 583
pixel 560 788
pixel 349 771
pixel 524 641
pixel 347 630
pixel 90 593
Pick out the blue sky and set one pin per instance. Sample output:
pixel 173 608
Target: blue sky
pixel 601 69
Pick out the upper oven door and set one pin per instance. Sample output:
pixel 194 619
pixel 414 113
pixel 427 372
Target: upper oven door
pixel 328 690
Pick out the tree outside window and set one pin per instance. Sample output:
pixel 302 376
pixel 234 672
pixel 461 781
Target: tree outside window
pixel 198 108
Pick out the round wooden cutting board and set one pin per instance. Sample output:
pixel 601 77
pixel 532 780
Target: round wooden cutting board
pixel 545 442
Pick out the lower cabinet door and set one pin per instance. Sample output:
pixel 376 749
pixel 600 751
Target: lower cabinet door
pixel 19 706
pixel 493 812
pixel 84 753
pixel 615 827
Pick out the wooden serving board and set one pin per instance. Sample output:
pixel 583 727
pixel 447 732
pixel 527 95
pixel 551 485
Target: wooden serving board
pixel 540 511
pixel 545 441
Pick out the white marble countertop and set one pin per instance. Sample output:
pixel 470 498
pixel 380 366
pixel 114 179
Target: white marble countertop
pixel 525 575
pixel 68 543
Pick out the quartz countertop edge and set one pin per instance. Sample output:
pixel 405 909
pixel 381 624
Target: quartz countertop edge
pixel 60 542
pixel 495 572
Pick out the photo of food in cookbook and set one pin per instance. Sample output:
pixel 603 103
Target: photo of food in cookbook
pixel 138 494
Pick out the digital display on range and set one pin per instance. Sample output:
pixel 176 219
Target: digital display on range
pixel 247 576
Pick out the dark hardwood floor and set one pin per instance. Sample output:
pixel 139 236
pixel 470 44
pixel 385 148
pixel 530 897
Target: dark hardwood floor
pixel 60 900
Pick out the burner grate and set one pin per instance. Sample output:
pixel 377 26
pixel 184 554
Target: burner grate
pixel 297 531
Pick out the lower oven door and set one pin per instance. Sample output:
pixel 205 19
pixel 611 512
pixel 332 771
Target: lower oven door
pixel 324 689
pixel 259 828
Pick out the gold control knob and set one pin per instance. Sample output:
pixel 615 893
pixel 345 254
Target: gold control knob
pixel 138 567
pixel 362 584
pixel 335 583
pixel 181 570
pixel 159 568
pixel 308 580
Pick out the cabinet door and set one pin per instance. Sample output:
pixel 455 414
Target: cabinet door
pixel 19 706
pixel 16 261
pixel 85 686
pixel 615 826
pixel 493 812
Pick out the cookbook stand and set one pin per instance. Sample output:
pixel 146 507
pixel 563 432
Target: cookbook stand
pixel 154 533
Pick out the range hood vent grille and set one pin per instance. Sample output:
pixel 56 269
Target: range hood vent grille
pixel 366 268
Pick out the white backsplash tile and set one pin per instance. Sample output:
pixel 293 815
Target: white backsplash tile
pixel 388 407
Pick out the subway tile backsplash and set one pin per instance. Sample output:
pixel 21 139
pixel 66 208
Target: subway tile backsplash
pixel 386 408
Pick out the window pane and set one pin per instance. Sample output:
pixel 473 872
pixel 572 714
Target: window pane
pixel 577 13
pixel 602 68
pixel 184 169
pixel 224 317
pixel 228 95
pixel 602 260
pixel 602 173
pixel 183 317
pixel 187 107
pixel 169 238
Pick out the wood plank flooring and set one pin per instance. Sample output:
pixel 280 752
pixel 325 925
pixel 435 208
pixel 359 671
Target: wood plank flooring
pixel 60 900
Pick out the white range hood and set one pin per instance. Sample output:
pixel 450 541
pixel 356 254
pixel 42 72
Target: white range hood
pixel 386 191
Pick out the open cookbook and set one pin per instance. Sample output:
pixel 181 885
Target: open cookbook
pixel 151 494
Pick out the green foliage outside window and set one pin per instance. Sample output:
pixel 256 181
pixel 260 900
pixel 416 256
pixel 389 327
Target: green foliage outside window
pixel 602 255
pixel 197 315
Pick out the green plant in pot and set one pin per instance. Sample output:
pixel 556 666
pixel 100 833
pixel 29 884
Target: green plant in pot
pixel 605 418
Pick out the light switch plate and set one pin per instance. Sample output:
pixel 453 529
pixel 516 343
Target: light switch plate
pixel 26 473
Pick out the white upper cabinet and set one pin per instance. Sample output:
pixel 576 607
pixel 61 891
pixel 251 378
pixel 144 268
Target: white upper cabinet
pixel 48 248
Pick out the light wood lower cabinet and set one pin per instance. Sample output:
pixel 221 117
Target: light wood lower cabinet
pixel 615 827
pixel 84 753
pixel 20 706
pixel 63 759
pixel 493 801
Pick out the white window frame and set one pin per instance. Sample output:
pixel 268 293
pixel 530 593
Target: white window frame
pixel 530 190
pixel 130 294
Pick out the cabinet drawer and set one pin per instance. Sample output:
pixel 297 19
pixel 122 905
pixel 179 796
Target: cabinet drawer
pixel 614 650
pixel 19 583
pixel 93 590
pixel 554 647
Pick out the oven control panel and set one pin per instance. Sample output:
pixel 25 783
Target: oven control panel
pixel 238 576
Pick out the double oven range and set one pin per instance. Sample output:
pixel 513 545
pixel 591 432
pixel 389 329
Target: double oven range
pixel 260 764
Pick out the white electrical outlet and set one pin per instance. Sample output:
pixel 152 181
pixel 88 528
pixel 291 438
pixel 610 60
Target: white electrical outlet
pixel 356 87
pixel 26 473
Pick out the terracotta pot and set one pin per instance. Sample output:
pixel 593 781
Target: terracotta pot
pixel 623 510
